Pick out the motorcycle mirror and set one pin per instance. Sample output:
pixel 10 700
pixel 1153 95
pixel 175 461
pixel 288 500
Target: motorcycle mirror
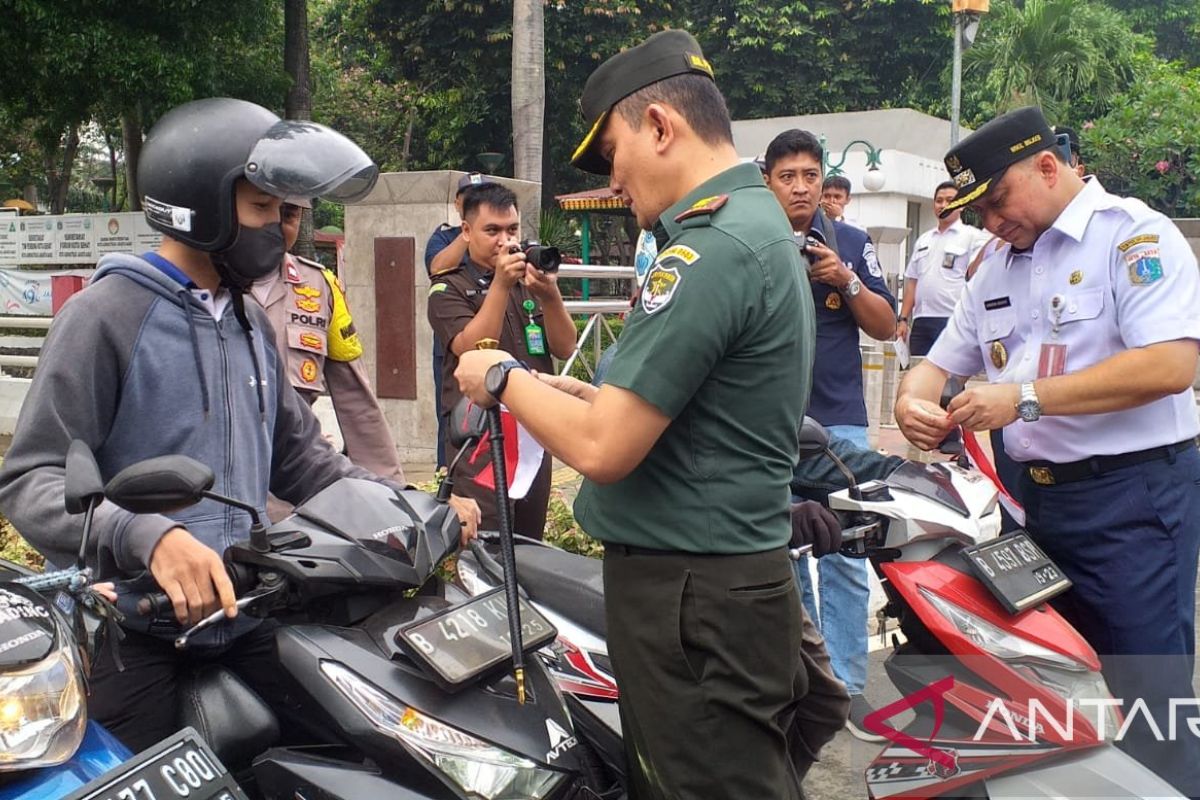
pixel 468 423
pixel 160 485
pixel 814 439
pixel 83 481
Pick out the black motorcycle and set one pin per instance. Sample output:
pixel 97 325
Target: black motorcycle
pixel 401 685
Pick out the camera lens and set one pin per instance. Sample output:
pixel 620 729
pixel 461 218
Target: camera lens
pixel 547 259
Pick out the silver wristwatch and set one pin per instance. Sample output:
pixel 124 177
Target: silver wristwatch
pixel 1028 407
pixel 852 288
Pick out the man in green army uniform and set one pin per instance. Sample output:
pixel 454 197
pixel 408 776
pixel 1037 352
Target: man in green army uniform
pixel 688 446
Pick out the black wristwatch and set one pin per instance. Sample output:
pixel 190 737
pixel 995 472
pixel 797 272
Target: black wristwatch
pixel 902 319
pixel 496 377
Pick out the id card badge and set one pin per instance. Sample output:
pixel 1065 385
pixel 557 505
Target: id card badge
pixel 1052 360
pixel 535 339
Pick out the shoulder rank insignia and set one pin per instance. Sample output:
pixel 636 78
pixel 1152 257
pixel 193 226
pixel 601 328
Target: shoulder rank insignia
pixel 707 205
pixel 308 262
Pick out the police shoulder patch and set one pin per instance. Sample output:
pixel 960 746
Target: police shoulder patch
pixel 872 260
pixel 706 205
pixel 661 283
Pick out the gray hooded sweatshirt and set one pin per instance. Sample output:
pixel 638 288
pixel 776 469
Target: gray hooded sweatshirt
pixel 136 367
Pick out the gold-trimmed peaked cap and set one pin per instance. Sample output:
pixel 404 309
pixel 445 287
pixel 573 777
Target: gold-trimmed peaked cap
pixel 664 55
pixel 978 162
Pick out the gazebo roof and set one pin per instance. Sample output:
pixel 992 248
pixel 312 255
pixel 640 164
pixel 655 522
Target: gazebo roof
pixel 592 200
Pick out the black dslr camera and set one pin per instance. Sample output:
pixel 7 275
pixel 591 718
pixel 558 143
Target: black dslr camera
pixel 542 257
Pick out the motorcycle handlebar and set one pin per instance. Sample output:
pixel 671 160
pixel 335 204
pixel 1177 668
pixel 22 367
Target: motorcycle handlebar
pixel 158 605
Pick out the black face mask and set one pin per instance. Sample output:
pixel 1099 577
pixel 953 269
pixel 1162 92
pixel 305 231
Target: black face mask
pixel 256 252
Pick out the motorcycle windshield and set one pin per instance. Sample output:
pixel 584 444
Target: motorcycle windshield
pixel 931 481
pixel 296 158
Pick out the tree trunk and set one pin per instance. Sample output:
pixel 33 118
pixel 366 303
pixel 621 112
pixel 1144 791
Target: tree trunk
pixel 58 173
pixel 298 103
pixel 528 89
pixel 131 135
pixel 112 169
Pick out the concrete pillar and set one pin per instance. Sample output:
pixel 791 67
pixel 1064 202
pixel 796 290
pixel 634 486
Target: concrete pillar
pixel 409 204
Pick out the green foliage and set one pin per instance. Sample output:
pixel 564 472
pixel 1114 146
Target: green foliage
pixel 772 59
pixel 1148 146
pixel 563 531
pixel 556 229
pixel 14 548
pixel 1071 57
pixel 1174 25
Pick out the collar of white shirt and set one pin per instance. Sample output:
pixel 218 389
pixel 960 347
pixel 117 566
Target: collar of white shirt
pixel 1074 219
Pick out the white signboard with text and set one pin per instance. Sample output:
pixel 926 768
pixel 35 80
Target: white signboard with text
pixel 73 238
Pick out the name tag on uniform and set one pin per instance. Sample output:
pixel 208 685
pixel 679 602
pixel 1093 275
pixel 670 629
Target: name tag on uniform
pixel 997 303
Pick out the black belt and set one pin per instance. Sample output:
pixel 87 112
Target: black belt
pixel 1046 473
pixel 630 550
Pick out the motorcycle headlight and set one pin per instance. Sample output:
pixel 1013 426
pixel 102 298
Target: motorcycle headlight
pixel 478 768
pixel 42 709
pixel 999 643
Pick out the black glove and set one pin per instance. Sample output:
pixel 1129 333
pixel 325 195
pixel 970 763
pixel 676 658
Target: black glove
pixel 814 524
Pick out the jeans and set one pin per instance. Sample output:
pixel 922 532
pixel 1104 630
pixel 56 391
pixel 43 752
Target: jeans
pixel 845 595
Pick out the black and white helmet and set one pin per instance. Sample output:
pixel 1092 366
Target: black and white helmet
pixel 195 153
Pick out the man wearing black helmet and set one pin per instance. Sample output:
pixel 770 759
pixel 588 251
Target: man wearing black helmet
pixel 161 355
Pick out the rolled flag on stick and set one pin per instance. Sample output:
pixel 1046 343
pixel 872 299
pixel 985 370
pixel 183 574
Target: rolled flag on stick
pixel 522 457
pixel 982 463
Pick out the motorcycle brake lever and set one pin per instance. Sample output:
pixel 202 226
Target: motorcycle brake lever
pixel 248 599
pixel 795 553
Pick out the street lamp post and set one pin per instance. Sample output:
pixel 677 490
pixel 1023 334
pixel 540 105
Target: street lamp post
pixel 874 179
pixel 966 25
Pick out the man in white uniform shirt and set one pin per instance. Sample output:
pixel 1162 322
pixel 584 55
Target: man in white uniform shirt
pixel 936 273
pixel 1087 324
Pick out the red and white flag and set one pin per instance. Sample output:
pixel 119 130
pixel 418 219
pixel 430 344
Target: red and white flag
pixel 982 463
pixel 522 457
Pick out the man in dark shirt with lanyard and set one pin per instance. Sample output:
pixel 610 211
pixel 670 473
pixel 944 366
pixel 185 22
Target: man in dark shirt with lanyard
pixel 849 294
pixel 688 446
pixel 445 250
pixel 495 294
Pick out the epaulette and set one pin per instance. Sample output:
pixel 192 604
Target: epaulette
pixel 707 205
pixel 447 271
pixel 308 262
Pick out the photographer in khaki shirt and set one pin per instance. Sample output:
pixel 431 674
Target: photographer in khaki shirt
pixel 495 294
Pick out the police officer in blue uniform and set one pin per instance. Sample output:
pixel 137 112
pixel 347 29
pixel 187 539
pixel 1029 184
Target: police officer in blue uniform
pixel 849 294
pixel 1087 325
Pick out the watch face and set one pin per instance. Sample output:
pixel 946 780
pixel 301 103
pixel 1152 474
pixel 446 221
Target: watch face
pixel 494 379
pixel 1029 410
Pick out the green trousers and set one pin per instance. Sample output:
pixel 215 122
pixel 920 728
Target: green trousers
pixel 726 689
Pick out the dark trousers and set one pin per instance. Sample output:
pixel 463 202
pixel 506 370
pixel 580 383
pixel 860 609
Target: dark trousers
pixel 710 656
pixel 924 333
pixel 1009 472
pixel 1129 541
pixel 140 706
pixel 438 357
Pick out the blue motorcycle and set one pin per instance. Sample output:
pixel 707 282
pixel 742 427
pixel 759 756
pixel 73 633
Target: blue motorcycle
pixel 52 625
